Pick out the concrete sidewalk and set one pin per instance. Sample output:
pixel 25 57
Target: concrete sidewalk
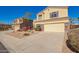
pixel 41 42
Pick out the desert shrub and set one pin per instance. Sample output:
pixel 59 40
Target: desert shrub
pixel 28 30
pixel 73 39
pixel 26 34
pixel 0 28
pixel 19 30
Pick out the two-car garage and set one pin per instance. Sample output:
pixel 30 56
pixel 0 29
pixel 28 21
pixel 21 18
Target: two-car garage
pixel 54 27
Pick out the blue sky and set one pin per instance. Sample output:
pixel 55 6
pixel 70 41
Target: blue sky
pixel 9 13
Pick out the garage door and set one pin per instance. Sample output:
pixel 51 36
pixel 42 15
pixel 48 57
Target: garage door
pixel 54 27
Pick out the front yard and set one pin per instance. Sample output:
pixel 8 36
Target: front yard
pixel 41 42
pixel 22 34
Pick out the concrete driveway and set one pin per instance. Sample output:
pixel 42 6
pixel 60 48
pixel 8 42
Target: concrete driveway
pixel 41 42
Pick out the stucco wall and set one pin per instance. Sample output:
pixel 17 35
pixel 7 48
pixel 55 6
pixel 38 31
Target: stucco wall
pixel 51 21
pixel 62 12
pixel 16 27
pixel 56 24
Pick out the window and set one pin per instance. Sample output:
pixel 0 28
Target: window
pixel 39 16
pixel 53 14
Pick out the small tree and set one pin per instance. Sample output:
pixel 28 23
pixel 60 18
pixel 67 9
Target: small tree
pixel 78 20
pixel 72 20
pixel 27 15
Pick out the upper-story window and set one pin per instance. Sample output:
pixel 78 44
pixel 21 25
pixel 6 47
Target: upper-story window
pixel 53 14
pixel 39 16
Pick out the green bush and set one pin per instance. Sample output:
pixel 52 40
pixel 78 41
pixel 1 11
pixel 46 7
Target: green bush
pixel 38 28
pixel 26 34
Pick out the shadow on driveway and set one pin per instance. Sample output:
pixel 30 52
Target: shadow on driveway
pixel 3 49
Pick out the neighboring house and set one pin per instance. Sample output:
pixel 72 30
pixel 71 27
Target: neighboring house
pixel 27 24
pixel 52 19
pixel 5 26
pixel 16 24
pixel 20 23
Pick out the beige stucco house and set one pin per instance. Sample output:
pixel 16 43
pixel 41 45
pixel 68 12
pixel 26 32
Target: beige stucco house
pixel 16 24
pixel 52 19
pixel 21 24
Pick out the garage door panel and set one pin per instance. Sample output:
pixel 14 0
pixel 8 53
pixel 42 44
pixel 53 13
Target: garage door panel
pixel 54 27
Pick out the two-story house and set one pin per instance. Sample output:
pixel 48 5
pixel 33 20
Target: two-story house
pixel 52 19
pixel 16 24
pixel 21 23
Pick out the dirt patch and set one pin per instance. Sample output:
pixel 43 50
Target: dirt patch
pixel 17 34
pixel 71 43
pixel 22 34
pixel 73 40
pixel 65 48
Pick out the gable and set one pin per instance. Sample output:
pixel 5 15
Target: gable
pixel 62 12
